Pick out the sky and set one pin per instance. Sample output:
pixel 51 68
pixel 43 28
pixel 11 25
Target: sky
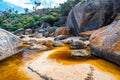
pixel 21 4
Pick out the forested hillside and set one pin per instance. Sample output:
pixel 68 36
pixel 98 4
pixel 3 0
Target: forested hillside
pixel 12 20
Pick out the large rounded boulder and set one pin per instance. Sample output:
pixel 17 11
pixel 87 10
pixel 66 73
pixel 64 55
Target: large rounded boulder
pixel 92 14
pixel 9 44
pixel 105 42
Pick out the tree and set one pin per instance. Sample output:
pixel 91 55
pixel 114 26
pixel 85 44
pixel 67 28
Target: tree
pixel 16 12
pixel 67 6
pixel 37 4
pixel 10 10
pixel 26 10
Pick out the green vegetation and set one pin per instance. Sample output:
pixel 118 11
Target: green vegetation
pixel 11 20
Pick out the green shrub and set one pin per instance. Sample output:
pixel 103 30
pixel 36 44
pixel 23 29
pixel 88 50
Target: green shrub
pixel 48 19
pixel 16 26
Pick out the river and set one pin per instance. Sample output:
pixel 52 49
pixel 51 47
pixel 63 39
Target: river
pixel 10 69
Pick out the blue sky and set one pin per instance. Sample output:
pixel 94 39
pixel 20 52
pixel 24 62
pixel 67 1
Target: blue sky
pixel 21 4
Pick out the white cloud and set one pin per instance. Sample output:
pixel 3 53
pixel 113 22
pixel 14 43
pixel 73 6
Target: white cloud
pixel 28 3
pixel 21 3
pixel 59 1
pixel 55 1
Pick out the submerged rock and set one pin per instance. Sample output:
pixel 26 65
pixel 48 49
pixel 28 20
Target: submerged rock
pixel 9 44
pixel 92 14
pixel 105 42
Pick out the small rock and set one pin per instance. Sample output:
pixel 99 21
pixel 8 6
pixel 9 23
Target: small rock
pixel 41 30
pixel 80 54
pixel 57 44
pixel 67 41
pixel 45 25
pixel 20 31
pixel 87 43
pixel 84 38
pixel 28 31
pixel 61 37
pixel 37 47
pixel 39 35
pixel 22 36
pixel 78 45
pixel 32 41
pixel 28 51
pixel 31 35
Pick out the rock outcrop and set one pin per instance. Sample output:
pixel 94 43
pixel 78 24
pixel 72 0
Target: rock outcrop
pixel 92 14
pixel 105 42
pixel 9 44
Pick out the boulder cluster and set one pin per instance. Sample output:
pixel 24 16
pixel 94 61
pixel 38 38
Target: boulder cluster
pixel 92 27
pixel 101 20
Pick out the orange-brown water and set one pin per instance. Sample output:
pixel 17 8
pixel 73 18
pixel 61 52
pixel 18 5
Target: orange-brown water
pixel 62 56
pixel 10 68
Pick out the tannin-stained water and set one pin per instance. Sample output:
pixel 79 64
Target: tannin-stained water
pixel 62 56
pixel 10 68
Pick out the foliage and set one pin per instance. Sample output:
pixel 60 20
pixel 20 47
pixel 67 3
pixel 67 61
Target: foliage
pixel 11 20
pixel 48 19
pixel 67 6
pixel 16 21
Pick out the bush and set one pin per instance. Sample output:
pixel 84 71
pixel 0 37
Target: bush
pixel 48 19
pixel 16 26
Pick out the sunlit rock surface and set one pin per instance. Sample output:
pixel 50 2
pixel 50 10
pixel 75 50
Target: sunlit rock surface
pixel 92 14
pixel 63 31
pixel 80 54
pixel 105 42
pixel 9 44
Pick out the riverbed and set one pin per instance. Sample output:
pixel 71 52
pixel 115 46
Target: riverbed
pixel 10 69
